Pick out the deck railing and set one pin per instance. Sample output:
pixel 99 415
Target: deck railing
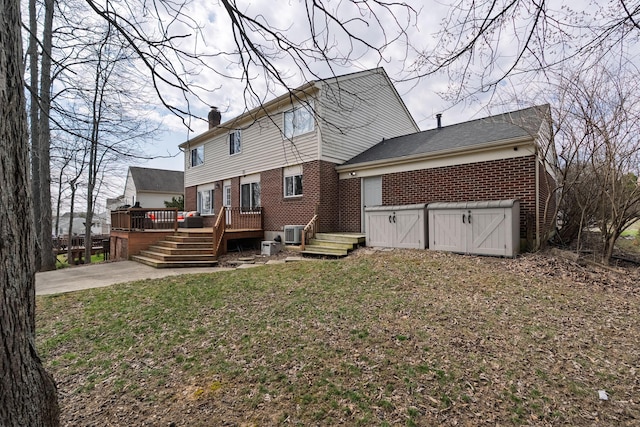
pixel 236 219
pixel 61 244
pixel 144 219
pixel 309 231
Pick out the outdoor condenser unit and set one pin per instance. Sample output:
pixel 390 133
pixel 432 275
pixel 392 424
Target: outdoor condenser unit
pixel 293 234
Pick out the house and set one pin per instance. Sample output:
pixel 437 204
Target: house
pixel 99 225
pixel 152 187
pixel 505 156
pixel 333 147
pixel 282 156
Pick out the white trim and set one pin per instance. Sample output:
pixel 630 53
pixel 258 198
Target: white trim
pixel 411 164
pixel 292 170
pixel 248 179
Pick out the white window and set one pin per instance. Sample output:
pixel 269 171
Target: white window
pixel 235 146
pixel 197 156
pixel 298 121
pixel 250 195
pixel 293 181
pixel 205 202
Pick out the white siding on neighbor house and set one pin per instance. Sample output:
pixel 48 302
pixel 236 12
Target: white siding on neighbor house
pixel 129 190
pixel 263 148
pixel 155 200
pixel 357 113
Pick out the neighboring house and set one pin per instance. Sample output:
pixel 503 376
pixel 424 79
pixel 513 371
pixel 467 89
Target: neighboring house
pixel 152 187
pixel 334 146
pixel 283 156
pixel 99 224
pixel 506 156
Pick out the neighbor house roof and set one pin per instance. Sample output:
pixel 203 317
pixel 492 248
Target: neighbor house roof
pixel 157 180
pixel 507 127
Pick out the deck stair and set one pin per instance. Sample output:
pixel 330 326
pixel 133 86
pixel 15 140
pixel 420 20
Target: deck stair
pixel 334 244
pixel 183 249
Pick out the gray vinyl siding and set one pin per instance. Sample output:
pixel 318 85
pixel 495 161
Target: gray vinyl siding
pixel 357 113
pixel 263 148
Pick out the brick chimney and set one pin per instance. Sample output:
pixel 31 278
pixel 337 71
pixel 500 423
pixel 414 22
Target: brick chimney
pixel 214 117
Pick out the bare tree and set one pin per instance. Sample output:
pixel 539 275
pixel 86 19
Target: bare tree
pixel 597 139
pixel 483 42
pixel 27 391
pixel 336 33
pixel 40 106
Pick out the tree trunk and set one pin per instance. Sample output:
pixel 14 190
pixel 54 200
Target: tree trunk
pixel 34 113
pixel 70 232
pixel 47 261
pixel 27 392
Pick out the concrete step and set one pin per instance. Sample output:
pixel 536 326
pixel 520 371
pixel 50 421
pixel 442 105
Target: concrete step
pixel 171 264
pixel 323 250
pixel 177 258
pixel 354 238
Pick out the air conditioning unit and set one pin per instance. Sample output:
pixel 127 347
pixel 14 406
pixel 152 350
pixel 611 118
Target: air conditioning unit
pixel 293 234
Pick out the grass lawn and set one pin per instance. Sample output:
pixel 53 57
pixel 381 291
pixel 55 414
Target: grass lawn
pixel 61 260
pixel 379 338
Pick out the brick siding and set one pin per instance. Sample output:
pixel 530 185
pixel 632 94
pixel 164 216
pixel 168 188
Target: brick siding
pixel 190 198
pixel 493 180
pixel 320 194
pixel 350 198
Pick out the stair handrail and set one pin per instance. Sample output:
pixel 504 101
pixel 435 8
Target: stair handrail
pixel 218 231
pixel 310 228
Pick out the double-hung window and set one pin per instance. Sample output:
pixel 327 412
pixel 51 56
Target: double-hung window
pixel 298 120
pixel 293 181
pixel 197 156
pixel 205 202
pixel 235 144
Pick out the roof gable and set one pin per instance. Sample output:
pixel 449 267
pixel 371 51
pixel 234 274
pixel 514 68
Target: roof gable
pixel 157 180
pixel 519 124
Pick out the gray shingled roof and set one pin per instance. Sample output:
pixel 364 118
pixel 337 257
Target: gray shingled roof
pixel 157 180
pixel 507 126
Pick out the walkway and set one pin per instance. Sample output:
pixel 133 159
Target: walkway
pixel 105 274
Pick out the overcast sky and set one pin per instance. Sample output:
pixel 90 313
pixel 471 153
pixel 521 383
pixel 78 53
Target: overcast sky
pixel 423 98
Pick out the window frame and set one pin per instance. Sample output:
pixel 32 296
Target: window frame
pixel 200 201
pixel 293 177
pixel 235 139
pixel 252 196
pixel 196 153
pixel 296 119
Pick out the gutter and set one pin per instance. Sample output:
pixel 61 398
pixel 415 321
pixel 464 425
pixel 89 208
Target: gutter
pixel 433 155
